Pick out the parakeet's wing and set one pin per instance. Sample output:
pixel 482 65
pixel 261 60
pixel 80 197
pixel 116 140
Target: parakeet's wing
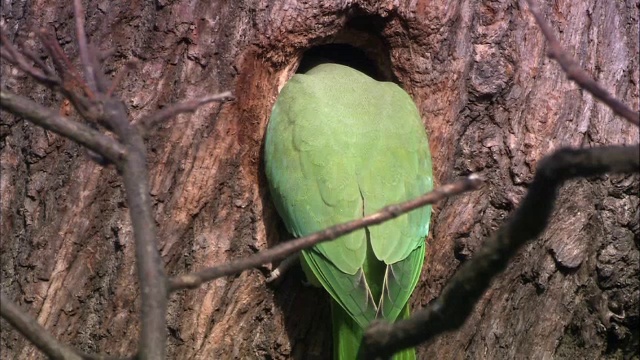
pixel 341 145
pixel 401 170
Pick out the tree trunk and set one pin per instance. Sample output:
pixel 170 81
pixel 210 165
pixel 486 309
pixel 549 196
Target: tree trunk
pixel 491 102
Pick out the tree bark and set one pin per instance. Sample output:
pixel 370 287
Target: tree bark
pixel 491 102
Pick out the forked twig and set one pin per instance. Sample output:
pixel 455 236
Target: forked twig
pixel 182 107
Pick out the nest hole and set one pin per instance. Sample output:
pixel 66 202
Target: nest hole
pixel 359 45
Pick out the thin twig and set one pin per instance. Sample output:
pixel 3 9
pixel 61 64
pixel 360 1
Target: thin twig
pixel 182 107
pixel 285 249
pixel 60 60
pixel 71 81
pixel 41 338
pixel 12 55
pixel 575 73
pixel 120 75
pixel 89 71
pixel 102 84
pixel 71 85
pixel 33 331
pixel 51 120
pixel 282 268
pixel 68 82
pixel 464 289
pixel 40 63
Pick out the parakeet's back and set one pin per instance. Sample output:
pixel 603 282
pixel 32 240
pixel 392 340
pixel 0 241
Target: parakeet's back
pixel 339 146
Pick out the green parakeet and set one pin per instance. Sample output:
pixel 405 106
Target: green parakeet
pixel 341 145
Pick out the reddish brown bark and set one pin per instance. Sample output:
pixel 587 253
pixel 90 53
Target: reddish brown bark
pixel 491 102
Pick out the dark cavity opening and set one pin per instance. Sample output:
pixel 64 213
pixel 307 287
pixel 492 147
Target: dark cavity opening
pixel 343 54
pixel 359 45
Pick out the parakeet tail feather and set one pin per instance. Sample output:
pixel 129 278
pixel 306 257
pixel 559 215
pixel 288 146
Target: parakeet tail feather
pixel 347 335
pixel 409 354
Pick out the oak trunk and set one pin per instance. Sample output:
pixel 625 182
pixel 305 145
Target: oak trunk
pixel 491 102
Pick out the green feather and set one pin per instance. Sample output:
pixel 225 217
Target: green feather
pixel 341 145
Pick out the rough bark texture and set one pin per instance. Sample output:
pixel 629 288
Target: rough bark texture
pixel 491 102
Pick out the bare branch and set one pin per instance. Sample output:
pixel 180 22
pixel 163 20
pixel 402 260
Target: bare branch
pixel 182 107
pixel 130 158
pixel 464 289
pixel 575 73
pixel 151 277
pixel 285 249
pixel 51 120
pixel 33 331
